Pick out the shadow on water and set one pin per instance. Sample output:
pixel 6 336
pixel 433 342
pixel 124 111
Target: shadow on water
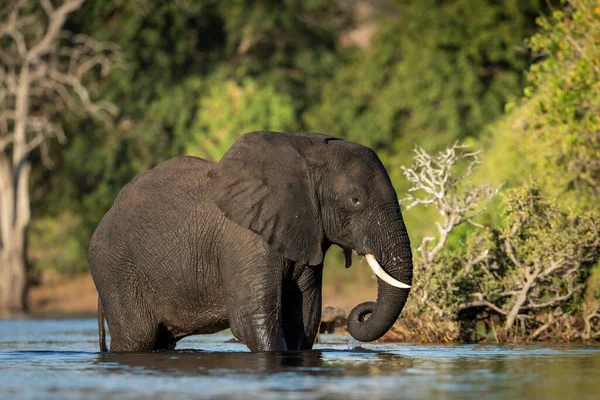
pixel 322 363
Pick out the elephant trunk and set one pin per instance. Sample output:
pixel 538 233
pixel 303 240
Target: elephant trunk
pixel 391 249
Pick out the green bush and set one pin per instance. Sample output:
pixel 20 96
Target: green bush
pixel 564 89
pixel 526 279
pixel 229 109
pixel 57 244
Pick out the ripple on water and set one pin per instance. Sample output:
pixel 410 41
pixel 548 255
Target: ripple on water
pixel 59 359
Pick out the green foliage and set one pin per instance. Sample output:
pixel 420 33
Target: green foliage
pixel 444 286
pixel 263 109
pixel 545 231
pixel 510 154
pixel 434 69
pixel 57 244
pixel 552 135
pixel 533 269
pixel 565 93
pixel 551 253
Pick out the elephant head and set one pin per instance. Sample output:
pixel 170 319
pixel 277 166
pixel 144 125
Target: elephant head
pixel 303 192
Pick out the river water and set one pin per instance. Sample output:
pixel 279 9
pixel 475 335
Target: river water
pixel 59 359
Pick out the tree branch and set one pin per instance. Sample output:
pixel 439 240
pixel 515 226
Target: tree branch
pixel 34 78
pixel 56 19
pixel 553 301
pixel 482 303
pixel 434 176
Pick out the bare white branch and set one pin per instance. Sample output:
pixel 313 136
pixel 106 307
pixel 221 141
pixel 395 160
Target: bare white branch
pixel 434 178
pixel 39 76
pixel 56 19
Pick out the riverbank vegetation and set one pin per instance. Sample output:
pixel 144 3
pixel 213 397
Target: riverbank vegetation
pixel 500 100
pixel 525 268
pixel 526 278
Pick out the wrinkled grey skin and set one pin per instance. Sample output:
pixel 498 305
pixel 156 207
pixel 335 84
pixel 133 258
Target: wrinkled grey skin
pixel 195 247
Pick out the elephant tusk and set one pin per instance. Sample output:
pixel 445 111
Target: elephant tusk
pixel 382 274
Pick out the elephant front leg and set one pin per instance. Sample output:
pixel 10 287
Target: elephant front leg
pixel 254 302
pixel 301 305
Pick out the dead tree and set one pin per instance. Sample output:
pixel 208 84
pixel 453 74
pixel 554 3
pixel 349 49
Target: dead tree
pixel 43 73
pixel 438 183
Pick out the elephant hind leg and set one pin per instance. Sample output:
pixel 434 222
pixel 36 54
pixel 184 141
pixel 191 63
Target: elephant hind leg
pixel 136 329
pixel 132 336
pixel 138 336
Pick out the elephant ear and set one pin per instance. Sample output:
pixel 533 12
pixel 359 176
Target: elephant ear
pixel 264 183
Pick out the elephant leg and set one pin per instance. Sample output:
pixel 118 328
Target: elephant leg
pixel 254 303
pixel 302 307
pixel 139 336
pixel 131 322
pixel 134 331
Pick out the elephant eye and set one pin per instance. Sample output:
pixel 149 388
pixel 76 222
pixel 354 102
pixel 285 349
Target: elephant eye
pixel 355 201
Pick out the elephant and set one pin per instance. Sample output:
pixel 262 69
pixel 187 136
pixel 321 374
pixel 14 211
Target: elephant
pixel 195 247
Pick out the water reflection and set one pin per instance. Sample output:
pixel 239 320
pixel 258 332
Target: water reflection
pixel 359 362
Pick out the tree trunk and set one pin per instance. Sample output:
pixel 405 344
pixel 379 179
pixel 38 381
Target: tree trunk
pixel 13 276
pixel 14 220
pixel 41 72
pixel 14 206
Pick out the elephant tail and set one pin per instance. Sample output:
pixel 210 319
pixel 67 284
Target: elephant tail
pixel 101 332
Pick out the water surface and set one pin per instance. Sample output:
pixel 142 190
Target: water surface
pixel 58 359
